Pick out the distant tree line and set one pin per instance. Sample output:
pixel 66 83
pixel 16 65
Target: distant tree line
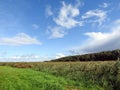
pixel 100 56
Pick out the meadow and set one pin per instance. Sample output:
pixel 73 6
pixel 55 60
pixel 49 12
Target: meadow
pixel 100 75
pixel 27 79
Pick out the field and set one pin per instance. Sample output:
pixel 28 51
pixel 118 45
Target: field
pixel 27 79
pixel 101 75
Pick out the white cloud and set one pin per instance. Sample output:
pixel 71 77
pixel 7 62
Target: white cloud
pixel 65 20
pixel 67 15
pixel 35 26
pixel 59 55
pixel 99 41
pixel 56 32
pixel 95 16
pixel 19 39
pixel 25 58
pixel 22 58
pixel 104 5
pixel 49 11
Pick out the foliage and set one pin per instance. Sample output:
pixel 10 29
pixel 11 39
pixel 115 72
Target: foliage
pixel 86 74
pixel 101 56
pixel 101 75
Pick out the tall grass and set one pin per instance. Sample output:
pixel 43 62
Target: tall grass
pixel 105 74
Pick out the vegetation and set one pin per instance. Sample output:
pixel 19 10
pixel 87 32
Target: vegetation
pixel 101 75
pixel 92 75
pixel 27 79
pixel 101 56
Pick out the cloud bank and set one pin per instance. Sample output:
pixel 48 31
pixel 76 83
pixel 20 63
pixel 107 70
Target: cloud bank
pixel 100 41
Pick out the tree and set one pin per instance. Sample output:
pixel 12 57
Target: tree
pixel 118 51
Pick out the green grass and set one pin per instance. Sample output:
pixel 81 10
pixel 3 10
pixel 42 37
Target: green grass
pixel 68 75
pixel 26 79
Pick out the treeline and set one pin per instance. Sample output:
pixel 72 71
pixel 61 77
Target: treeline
pixel 101 56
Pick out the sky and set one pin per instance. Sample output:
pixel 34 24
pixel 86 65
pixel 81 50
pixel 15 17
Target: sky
pixel 40 30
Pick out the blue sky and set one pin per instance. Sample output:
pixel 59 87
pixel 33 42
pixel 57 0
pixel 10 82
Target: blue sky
pixel 38 30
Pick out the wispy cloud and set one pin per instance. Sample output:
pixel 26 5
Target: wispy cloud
pixel 19 39
pixel 49 11
pixel 56 32
pixel 99 41
pixel 65 20
pixel 35 26
pixel 67 14
pixel 104 5
pixel 26 58
pixel 22 58
pixel 95 16
pixel 31 57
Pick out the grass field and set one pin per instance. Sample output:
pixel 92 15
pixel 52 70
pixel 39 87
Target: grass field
pixel 27 79
pixel 60 76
